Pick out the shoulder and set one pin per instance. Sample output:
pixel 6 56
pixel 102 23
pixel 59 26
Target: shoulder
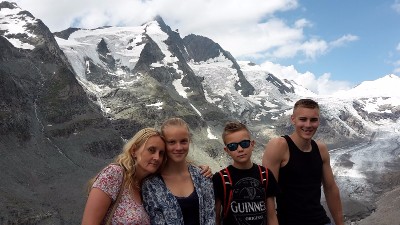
pixel 151 180
pixel 109 180
pixel 323 150
pixel 111 172
pixel 113 169
pixel 217 179
pixel 278 142
pixel 276 147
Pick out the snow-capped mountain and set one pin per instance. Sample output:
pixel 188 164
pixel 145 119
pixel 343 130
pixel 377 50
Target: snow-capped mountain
pixel 209 82
pixel 69 100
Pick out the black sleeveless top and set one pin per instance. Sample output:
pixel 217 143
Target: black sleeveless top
pixel 190 208
pixel 300 180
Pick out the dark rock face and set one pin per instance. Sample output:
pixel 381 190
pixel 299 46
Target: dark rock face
pixel 65 33
pixel 52 137
pixel 282 87
pixel 201 48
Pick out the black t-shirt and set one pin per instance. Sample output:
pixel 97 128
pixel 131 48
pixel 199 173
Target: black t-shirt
pixel 249 195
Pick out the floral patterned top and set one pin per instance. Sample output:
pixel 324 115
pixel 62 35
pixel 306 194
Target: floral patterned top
pixel 128 211
pixel 163 207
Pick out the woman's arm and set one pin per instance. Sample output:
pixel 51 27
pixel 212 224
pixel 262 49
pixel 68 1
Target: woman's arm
pixel 104 189
pixel 96 207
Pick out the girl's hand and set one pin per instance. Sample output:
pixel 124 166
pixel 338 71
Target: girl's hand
pixel 206 171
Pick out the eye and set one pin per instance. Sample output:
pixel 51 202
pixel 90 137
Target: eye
pixel 152 150
pixel 171 142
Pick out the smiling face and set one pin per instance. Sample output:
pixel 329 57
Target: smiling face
pixel 149 156
pixel 305 122
pixel 241 156
pixel 177 140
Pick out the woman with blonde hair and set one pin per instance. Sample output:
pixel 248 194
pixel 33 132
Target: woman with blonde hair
pixel 179 194
pixel 114 197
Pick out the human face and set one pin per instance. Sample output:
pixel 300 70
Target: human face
pixel 241 156
pixel 177 143
pixel 305 122
pixel 150 155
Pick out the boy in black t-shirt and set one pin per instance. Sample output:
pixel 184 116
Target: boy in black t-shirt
pixel 244 191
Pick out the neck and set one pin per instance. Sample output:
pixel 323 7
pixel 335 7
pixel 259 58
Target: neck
pixel 175 167
pixel 139 175
pixel 242 166
pixel 301 143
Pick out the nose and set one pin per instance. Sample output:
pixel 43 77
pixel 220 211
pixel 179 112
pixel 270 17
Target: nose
pixel 156 156
pixel 179 146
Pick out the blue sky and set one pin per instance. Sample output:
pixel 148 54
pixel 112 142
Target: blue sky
pixel 372 55
pixel 325 45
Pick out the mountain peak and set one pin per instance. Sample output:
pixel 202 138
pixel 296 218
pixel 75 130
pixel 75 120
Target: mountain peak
pixel 16 24
pixel 382 87
pixel 8 5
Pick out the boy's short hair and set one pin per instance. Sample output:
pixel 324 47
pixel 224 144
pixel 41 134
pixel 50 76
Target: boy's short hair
pixel 306 103
pixel 232 127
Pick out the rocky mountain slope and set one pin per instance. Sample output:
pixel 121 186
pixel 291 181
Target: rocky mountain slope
pixel 70 99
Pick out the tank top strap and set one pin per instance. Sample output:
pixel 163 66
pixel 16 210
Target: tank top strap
pixel 290 143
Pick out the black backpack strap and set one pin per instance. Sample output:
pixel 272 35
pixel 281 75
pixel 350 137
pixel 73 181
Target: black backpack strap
pixel 227 186
pixel 263 176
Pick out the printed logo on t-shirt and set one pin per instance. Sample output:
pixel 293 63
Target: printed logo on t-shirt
pixel 248 202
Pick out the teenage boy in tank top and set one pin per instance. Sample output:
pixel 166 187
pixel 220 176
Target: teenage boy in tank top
pixel 301 165
pixel 244 191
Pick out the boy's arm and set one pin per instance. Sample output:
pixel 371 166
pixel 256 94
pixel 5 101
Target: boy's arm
pixel 271 213
pixel 331 190
pixel 274 155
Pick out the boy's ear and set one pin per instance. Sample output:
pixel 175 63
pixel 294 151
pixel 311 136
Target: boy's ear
pixel 226 150
pixel 252 143
pixel 292 119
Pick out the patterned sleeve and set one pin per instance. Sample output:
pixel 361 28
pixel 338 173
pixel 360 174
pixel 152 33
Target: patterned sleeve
pixel 151 197
pixel 210 201
pixel 109 180
pixel 207 192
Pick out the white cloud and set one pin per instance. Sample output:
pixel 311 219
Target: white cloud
pixel 396 6
pixel 321 85
pixel 343 40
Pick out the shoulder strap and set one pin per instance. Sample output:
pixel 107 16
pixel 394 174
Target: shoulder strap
pixel 227 185
pixel 263 176
pixel 116 202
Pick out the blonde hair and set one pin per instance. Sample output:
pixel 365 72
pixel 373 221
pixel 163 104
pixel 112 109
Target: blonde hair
pixel 175 121
pixel 125 158
pixel 232 127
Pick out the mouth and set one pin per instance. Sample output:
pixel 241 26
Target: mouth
pixel 308 131
pixel 153 164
